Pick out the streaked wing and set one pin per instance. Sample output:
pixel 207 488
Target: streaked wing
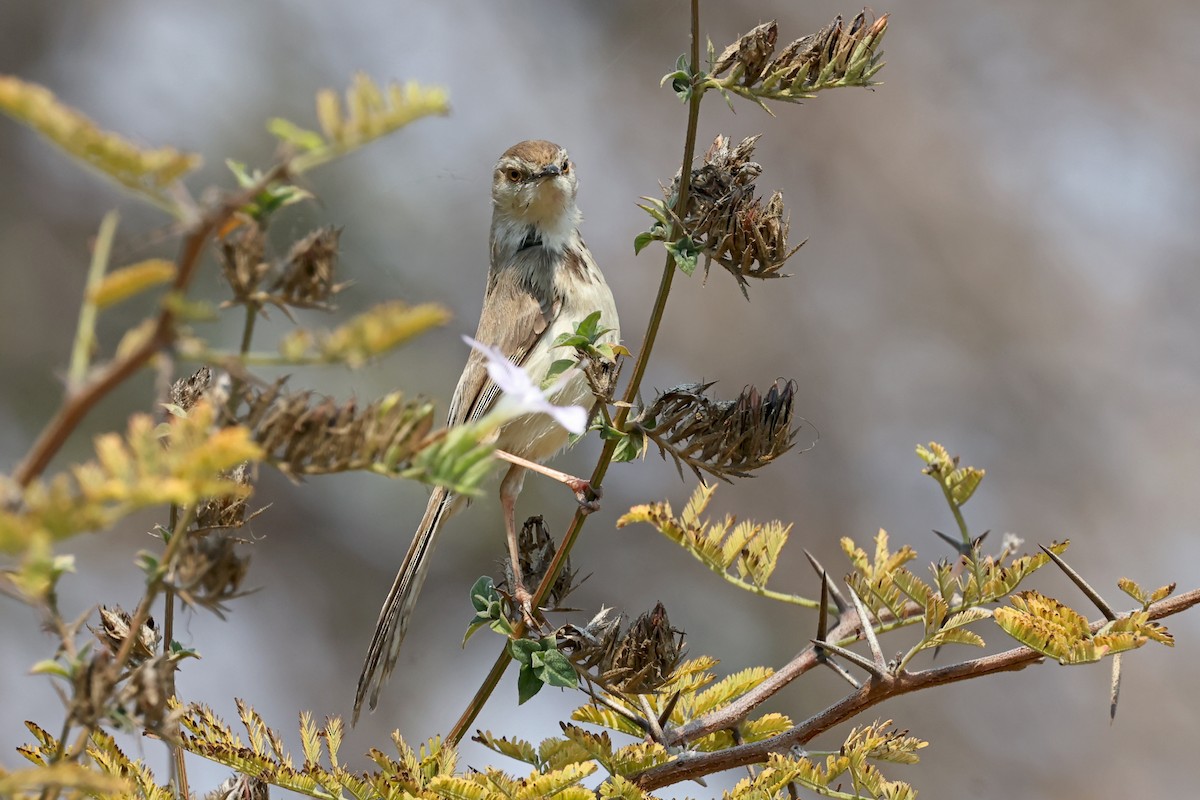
pixel 513 319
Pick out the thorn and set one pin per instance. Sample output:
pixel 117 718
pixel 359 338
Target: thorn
pixel 960 548
pixel 868 631
pixel 838 600
pixel 665 716
pixel 853 657
pixel 1114 689
pixel 841 671
pixel 1078 580
pixel 823 617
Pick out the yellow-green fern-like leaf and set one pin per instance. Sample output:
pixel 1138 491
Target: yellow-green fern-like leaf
pixel 369 112
pixel 745 553
pixel 149 173
pixel 365 336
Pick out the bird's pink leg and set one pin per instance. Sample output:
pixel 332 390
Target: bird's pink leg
pixel 589 498
pixel 510 488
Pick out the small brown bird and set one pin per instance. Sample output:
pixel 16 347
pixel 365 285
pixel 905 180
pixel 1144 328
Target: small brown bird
pixel 542 282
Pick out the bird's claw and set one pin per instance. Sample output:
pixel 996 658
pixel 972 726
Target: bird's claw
pixel 587 495
pixel 525 603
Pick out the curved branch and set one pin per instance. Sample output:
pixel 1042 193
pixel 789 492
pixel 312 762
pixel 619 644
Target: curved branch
pixel 872 693
pixel 78 403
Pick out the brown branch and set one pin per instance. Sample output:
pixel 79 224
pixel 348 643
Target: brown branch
pixel 872 693
pixel 78 403
pixel 727 717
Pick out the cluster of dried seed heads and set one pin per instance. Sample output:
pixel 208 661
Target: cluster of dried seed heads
pixel 305 279
pixel 639 661
pixel 536 550
pixel 728 222
pixel 305 434
pixel 836 54
pixel 725 438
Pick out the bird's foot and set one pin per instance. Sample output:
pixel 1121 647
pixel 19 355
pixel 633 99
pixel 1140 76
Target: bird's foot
pixel 524 602
pixel 587 495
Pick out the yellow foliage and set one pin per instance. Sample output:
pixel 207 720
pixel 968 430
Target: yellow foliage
pixel 179 461
pixel 369 113
pixel 366 335
pixel 148 172
pixel 129 281
pixel 750 549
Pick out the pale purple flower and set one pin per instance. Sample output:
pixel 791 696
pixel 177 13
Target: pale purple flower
pixel 523 396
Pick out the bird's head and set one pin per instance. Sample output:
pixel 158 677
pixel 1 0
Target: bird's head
pixel 534 185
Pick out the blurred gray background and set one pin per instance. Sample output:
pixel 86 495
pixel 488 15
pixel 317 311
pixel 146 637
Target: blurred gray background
pixel 1002 257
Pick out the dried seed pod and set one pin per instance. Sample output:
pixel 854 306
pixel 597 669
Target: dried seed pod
pixel 144 696
pixel 209 571
pixel 304 434
pixel 91 689
pixel 239 786
pixel 186 392
pixel 721 437
pixel 225 512
pixel 536 549
pixel 836 55
pixel 244 263
pixel 114 630
pixel 749 55
pixel 646 656
pixel 725 219
pixel 306 280
pixel 593 645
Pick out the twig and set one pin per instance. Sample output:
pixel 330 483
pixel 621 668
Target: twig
pixel 78 403
pixel 869 695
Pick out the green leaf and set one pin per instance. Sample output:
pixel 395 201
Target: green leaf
pixel 292 133
pixel 522 650
pixel 557 670
pixel 528 684
pixel 685 254
pixel 631 445
pixel 557 368
pixel 50 667
pixel 641 240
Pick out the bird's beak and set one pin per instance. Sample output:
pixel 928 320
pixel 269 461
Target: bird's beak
pixel 549 171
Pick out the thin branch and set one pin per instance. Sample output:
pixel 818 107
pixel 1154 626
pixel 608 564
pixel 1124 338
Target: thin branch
pixel 78 403
pixel 869 695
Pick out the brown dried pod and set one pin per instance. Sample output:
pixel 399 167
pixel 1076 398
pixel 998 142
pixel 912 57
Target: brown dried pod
pixel 114 630
pixel 646 656
pixel 594 645
pixel 225 512
pixel 91 690
pixel 304 434
pixel 244 263
pixel 144 696
pixel 209 571
pixel 536 549
pixel 728 222
pixel 239 786
pixel 751 52
pixel 724 438
pixel 306 280
pixel 186 392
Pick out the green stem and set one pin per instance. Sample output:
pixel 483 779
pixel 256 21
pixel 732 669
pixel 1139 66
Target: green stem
pixel 631 391
pixel 85 335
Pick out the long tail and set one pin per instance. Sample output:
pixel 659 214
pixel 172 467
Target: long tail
pixel 398 607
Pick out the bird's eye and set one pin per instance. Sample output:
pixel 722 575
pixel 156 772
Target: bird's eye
pixel 513 174
pixel 566 167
